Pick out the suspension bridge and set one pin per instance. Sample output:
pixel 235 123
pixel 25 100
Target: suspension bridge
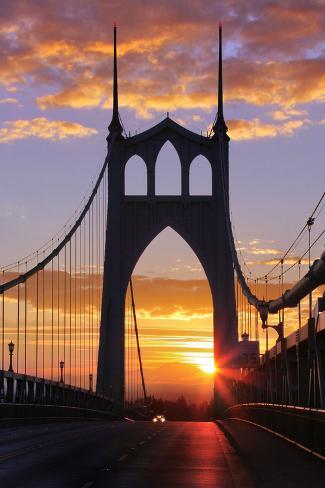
pixel 71 348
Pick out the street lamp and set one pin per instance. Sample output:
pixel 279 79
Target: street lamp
pixel 90 382
pixel 11 347
pixel 61 368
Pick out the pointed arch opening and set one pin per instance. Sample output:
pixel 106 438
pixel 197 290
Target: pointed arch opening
pixel 168 172
pixel 200 176
pixel 175 321
pixel 135 177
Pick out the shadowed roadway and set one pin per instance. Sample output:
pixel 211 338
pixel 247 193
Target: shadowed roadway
pixel 98 454
pixel 119 454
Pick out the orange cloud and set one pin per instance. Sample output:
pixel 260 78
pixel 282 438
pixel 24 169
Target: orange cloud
pixel 85 95
pixel 241 130
pixel 258 251
pixel 167 56
pixel 288 261
pixel 8 100
pixel 44 129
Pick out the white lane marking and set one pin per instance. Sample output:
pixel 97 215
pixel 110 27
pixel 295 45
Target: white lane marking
pixel 88 484
pixel 123 457
pixel 141 443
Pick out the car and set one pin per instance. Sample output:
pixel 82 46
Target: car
pixel 159 418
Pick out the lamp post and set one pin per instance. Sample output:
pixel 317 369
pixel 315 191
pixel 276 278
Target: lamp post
pixel 90 382
pixel 11 347
pixel 61 369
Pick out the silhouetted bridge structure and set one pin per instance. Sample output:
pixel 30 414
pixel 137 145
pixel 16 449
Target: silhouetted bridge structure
pixel 62 365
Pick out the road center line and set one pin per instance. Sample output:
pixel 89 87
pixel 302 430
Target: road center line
pixel 124 456
pixel 88 484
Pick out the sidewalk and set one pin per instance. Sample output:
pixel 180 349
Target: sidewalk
pixel 277 463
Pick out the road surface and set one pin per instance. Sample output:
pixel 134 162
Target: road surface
pixel 119 454
pixel 98 454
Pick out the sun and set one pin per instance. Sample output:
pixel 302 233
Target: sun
pixel 208 367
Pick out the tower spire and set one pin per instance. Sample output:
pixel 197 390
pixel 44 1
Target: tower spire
pixel 219 123
pixel 115 125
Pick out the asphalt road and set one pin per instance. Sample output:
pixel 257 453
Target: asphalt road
pixel 119 454
pixel 98 454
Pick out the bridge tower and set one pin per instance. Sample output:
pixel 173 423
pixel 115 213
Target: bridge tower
pixel 134 221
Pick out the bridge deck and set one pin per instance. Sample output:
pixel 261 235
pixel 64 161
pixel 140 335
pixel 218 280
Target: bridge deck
pixel 96 454
pixel 118 454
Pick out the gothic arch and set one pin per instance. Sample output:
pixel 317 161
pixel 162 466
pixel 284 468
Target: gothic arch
pixel 149 237
pixel 168 171
pixel 135 176
pixel 200 176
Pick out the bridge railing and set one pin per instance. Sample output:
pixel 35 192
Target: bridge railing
pixel 283 374
pixel 26 392
pixel 302 426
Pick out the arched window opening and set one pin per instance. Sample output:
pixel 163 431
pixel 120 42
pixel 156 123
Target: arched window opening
pixel 168 179
pixel 135 176
pixel 200 176
pixel 175 322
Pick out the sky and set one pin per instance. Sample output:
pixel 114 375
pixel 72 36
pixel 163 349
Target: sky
pixel 55 106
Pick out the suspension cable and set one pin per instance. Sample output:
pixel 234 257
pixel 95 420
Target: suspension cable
pixel 263 306
pixel 138 343
pixel 60 246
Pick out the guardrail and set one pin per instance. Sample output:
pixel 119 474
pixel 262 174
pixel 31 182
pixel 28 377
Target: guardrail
pixel 30 391
pixel 302 426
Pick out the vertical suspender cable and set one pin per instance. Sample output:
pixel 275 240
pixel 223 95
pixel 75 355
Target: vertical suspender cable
pixel 52 318
pixel 267 328
pixel 80 308
pixel 137 339
pixel 134 367
pixel 282 262
pixel 36 355
pixel 244 305
pixel 3 327
pixel 89 291
pixel 18 324
pixel 299 303
pixel 132 357
pixel 70 312
pixel 92 287
pixel 84 302
pixel 279 312
pixel 237 304
pixel 92 292
pixel 64 305
pixel 43 322
pixel 256 315
pixel 310 222
pixel 126 342
pixel 250 314
pixel 246 317
pixel 25 327
pixel 98 250
pixel 75 308
pixel 58 317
